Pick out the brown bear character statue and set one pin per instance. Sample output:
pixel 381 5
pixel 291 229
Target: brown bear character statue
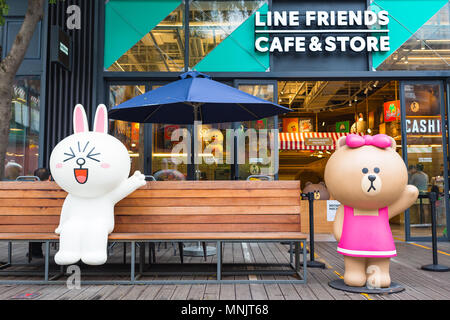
pixel 319 189
pixel 370 180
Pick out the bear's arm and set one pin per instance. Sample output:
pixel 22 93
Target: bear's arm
pixel 338 223
pixel 406 200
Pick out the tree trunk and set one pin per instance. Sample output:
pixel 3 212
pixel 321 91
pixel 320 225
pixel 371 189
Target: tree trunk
pixel 8 70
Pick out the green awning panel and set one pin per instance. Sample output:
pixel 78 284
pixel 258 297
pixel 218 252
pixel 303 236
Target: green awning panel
pixel 405 18
pixel 128 21
pixel 236 53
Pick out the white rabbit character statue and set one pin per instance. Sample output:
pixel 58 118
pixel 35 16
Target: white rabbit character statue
pixel 93 168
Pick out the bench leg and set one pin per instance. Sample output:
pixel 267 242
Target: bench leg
pixel 124 253
pixel 219 260
pixel 152 253
pixel 133 261
pixel 141 256
pixel 9 252
pixel 180 249
pixel 29 252
pixel 305 264
pixel 291 259
pixel 204 250
pixel 47 258
pixel 297 257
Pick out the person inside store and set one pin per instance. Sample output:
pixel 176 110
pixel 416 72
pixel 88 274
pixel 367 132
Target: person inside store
pixel 12 170
pixel 420 178
pixel 43 174
pixel 36 247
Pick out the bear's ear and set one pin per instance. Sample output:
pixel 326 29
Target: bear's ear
pixel 393 143
pixel 322 183
pixel 341 142
pixel 308 183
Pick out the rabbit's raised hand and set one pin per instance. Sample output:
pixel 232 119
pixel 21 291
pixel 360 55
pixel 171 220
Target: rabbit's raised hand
pixel 138 178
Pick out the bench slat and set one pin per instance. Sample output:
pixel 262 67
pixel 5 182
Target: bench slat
pixel 269 218
pixel 160 202
pixel 140 193
pixel 256 219
pixel 171 236
pixel 250 210
pixel 171 185
pixel 160 227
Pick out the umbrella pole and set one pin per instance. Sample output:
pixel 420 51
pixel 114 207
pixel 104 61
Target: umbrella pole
pixel 199 250
pixel 196 107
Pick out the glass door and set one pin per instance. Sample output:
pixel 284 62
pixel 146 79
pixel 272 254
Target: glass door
pixel 165 165
pixel 131 134
pixel 259 157
pixel 425 143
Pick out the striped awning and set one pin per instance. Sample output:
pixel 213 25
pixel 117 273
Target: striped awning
pixel 309 140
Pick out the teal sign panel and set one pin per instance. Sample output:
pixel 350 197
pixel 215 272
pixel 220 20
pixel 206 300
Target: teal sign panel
pixel 405 18
pixel 128 21
pixel 236 53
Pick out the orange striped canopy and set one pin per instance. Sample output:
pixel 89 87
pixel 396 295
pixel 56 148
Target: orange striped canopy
pixel 309 140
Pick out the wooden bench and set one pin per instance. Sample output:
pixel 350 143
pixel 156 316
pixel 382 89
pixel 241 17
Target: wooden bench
pixel 174 211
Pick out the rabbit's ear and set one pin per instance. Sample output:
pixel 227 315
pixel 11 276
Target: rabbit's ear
pixel 101 119
pixel 80 123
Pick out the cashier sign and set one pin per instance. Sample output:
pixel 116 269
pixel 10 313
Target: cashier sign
pixel 324 31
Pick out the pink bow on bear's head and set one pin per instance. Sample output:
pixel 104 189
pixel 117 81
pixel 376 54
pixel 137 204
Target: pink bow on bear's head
pixel 379 140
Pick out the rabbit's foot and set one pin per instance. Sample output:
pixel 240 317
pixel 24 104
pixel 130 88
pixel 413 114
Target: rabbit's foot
pixel 66 257
pixel 94 258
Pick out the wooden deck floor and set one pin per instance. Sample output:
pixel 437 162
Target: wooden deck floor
pixel 405 269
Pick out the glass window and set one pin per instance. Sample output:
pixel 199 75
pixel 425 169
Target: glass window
pixel 164 167
pixel 131 134
pixel 214 139
pixel 159 49
pixel 23 147
pixel 255 162
pixel 425 154
pixel 210 22
pixel 427 49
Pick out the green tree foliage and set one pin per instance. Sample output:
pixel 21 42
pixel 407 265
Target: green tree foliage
pixel 4 8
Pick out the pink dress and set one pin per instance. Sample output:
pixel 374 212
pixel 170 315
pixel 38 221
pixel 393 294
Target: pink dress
pixel 367 236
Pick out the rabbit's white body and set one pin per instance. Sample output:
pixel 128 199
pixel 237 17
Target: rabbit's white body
pixel 93 168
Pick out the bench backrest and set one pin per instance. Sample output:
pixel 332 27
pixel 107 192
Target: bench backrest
pixel 165 206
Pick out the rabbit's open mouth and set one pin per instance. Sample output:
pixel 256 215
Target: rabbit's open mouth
pixel 81 175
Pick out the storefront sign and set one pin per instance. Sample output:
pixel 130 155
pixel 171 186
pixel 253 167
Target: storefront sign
pixel 315 23
pixel 429 125
pixel 60 47
pixel 325 141
pixel 332 206
pixel 392 111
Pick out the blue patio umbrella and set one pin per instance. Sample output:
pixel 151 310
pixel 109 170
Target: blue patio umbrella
pixel 195 97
